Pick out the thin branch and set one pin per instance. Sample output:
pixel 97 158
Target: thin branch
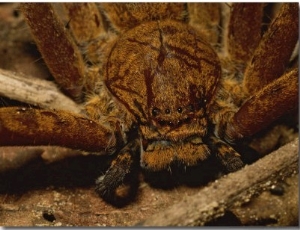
pixel 34 91
pixel 14 157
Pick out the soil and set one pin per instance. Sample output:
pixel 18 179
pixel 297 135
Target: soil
pixel 43 201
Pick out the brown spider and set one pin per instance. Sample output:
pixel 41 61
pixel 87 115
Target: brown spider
pixel 163 84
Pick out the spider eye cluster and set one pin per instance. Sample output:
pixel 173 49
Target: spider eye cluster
pixel 190 108
pixel 156 111
pixel 178 115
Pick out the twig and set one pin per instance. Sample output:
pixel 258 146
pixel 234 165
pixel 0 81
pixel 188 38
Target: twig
pixel 34 91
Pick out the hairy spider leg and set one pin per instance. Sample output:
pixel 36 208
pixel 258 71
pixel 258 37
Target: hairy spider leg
pixel 119 184
pixel 226 155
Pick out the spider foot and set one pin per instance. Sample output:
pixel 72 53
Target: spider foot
pixel 116 192
pixel 119 184
pixel 227 156
pixel 232 163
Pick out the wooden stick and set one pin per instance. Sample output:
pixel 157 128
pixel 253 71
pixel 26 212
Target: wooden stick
pixel 36 92
pixel 14 157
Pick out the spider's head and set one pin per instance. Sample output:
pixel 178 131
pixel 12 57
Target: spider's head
pixel 175 102
pixel 166 76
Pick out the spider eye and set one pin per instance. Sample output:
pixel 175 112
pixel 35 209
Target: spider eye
pixel 191 107
pixel 179 110
pixel 170 123
pixel 162 122
pixel 187 120
pixel 155 111
pixel 167 111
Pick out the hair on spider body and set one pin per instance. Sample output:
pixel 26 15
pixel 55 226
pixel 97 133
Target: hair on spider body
pixel 168 89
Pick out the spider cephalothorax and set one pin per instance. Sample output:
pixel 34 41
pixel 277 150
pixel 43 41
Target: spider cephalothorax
pixel 160 92
pixel 166 87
